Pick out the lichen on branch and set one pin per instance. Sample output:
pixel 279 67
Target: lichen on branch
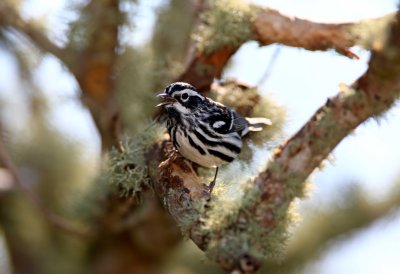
pixel 227 25
pixel 127 166
pixel 238 238
pixel 224 24
pixel 183 188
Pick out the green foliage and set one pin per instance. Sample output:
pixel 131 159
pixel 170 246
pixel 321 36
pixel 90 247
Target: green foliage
pixel 128 170
pixel 227 24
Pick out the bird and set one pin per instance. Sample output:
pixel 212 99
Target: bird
pixel 203 131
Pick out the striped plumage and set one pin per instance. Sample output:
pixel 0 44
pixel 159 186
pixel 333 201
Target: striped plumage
pixel 203 131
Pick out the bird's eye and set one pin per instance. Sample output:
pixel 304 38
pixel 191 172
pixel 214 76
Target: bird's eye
pixel 184 96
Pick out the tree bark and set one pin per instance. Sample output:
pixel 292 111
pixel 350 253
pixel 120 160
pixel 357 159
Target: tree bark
pixel 292 162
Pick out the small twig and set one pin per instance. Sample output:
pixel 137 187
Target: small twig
pixel 270 66
pixel 50 216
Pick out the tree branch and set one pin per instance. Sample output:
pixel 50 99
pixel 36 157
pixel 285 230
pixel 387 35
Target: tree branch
pixel 93 66
pixel 51 217
pixel 130 235
pixel 268 26
pixel 259 226
pixel 331 224
pixel 9 17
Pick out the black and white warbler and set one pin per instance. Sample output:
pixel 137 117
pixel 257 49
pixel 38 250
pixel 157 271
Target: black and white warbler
pixel 203 131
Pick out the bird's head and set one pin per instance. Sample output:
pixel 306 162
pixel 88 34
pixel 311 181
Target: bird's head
pixel 182 97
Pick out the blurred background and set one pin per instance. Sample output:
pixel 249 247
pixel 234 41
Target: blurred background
pixel 53 135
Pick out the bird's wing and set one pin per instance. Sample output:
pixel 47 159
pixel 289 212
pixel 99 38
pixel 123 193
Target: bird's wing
pixel 226 120
pixel 220 122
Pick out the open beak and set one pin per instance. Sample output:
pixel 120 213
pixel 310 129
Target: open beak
pixel 166 99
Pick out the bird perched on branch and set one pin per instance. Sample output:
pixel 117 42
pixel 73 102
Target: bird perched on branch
pixel 203 131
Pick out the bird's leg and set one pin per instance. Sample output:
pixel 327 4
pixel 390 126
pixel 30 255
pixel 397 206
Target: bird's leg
pixel 212 184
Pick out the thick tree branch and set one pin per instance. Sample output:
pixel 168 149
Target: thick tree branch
pixel 266 202
pixel 370 95
pixel 94 65
pixel 130 235
pixel 268 26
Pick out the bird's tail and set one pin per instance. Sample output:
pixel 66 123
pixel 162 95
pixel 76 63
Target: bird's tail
pixel 256 124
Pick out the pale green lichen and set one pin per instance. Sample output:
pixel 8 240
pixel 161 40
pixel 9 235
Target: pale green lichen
pixel 372 33
pixel 239 226
pixel 128 169
pixel 231 210
pixel 226 23
pixel 229 222
pixel 234 217
pixel 189 217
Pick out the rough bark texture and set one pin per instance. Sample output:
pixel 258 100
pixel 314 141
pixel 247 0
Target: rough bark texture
pixel 268 26
pixel 94 67
pixel 293 161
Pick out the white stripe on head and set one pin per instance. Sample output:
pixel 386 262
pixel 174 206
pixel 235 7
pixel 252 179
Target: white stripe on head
pixel 178 86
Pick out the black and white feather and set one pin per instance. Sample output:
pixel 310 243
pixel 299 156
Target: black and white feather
pixel 203 131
